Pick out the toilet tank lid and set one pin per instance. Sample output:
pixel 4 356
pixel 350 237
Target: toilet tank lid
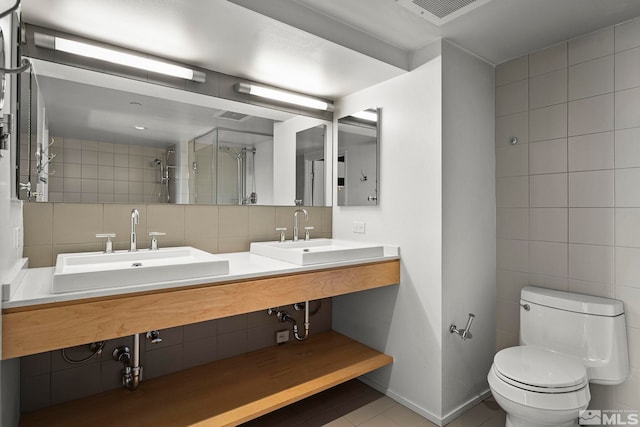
pixel 570 301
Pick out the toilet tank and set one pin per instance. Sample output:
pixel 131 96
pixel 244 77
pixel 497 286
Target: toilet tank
pixel 590 328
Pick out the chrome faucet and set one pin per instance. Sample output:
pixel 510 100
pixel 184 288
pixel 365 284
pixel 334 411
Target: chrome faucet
pixel 135 220
pixel 295 222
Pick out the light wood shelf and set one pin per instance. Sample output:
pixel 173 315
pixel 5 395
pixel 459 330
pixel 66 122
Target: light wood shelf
pixel 226 392
pixel 47 327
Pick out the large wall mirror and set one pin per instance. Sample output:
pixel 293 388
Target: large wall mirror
pixel 358 155
pixel 87 136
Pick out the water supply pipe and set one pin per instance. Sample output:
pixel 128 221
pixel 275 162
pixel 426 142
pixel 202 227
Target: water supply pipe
pixel 132 372
pixel 306 324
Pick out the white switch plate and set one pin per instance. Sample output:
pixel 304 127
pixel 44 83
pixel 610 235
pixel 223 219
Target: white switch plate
pixel 358 227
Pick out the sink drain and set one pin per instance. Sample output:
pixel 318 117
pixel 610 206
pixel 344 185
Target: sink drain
pixel 136 264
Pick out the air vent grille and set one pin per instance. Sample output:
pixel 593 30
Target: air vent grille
pixel 442 8
pixel 440 12
pixel 231 115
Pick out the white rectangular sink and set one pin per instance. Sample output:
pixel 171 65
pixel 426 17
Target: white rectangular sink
pixel 96 270
pixel 317 251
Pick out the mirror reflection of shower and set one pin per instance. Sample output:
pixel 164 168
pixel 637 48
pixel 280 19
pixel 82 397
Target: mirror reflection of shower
pixel 245 158
pixel 231 167
pixel 166 177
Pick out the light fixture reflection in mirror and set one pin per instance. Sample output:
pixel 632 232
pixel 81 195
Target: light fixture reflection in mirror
pixel 102 155
pixel 358 158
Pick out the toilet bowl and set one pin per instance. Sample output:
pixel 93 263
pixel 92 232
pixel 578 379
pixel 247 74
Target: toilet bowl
pixel 539 387
pixel 567 340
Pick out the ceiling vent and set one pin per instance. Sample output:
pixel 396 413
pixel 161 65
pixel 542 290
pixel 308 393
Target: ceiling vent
pixel 230 115
pixel 439 12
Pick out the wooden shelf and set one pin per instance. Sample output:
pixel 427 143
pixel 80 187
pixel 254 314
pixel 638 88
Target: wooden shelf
pixel 226 392
pixel 47 327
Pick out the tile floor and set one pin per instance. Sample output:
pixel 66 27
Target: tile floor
pixel 355 404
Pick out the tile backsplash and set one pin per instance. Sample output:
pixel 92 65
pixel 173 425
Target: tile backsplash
pixel 568 201
pixel 53 228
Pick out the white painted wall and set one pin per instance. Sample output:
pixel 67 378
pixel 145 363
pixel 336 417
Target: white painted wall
pixel 403 321
pixel 284 156
pixel 437 202
pixel 468 226
pixel 10 231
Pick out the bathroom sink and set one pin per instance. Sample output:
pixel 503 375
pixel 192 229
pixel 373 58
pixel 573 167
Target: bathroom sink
pixel 95 270
pixel 317 251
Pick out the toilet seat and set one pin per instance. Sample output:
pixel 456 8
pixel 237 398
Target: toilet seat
pixel 540 370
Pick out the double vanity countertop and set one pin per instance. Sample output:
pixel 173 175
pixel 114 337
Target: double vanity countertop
pixel 34 287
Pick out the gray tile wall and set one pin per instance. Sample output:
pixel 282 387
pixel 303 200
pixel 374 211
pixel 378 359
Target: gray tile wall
pixel 94 171
pixel 568 194
pixel 47 379
pixel 53 228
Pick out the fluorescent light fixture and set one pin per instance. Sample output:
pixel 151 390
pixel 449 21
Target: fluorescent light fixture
pixel 117 57
pixel 283 96
pixel 369 115
pixel 140 127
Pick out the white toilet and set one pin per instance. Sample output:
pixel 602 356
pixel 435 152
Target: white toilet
pixel 566 341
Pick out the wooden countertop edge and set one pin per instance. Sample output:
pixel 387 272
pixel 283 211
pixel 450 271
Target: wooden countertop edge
pixel 182 288
pixel 55 326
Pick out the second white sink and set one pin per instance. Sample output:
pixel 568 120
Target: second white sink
pixel 95 270
pixel 317 251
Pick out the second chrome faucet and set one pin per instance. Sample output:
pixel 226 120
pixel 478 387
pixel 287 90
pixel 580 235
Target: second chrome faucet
pixel 295 221
pixel 135 220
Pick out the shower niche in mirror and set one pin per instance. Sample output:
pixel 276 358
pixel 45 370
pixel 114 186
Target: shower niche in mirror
pixel 358 158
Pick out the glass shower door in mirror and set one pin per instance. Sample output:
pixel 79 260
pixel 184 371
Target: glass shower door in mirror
pixel 310 166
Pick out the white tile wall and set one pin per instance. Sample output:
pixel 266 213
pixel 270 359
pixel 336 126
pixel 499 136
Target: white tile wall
pixel 627 108
pixel 91 171
pixel 583 230
pixel 627 35
pixel 627 148
pixel 548 123
pixel 626 223
pixel 548 191
pixel 547 156
pixel 591 115
pixel 549 59
pixel 592 152
pixel 591 189
pixel 591 46
pixel 512 98
pixel 512 192
pixel 548 89
pixel 627 194
pixel 548 258
pixel 512 125
pixel 594 226
pixel 512 71
pixel 627 64
pixel 548 224
pixel 591 78
pixel 591 263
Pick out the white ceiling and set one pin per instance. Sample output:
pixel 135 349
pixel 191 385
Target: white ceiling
pixel 328 48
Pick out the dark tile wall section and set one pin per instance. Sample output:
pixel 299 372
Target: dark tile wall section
pixel 46 379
